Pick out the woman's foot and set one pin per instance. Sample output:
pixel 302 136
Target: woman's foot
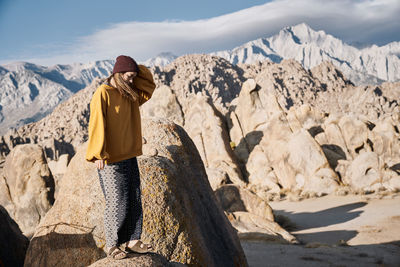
pixel 116 253
pixel 138 246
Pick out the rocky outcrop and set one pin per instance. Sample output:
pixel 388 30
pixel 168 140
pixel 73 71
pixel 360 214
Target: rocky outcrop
pixel 58 168
pixel 147 260
pixel 251 215
pixel 13 244
pixel 26 186
pixel 164 104
pixel 210 75
pixel 234 198
pixel 254 227
pixel 303 130
pixel 282 111
pixel 280 143
pixel 181 216
pixel 206 127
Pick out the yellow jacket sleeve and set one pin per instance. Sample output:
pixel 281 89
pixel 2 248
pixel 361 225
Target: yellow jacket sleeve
pixel 97 127
pixel 144 82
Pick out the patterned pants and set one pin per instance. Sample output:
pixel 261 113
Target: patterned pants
pixel 123 215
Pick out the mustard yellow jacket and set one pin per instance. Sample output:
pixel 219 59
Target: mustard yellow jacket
pixel 115 132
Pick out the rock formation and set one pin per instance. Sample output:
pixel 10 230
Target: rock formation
pixel 302 130
pixel 147 260
pixel 209 75
pixel 262 131
pixel 265 126
pixel 26 186
pixel 181 216
pixel 206 128
pixel 251 215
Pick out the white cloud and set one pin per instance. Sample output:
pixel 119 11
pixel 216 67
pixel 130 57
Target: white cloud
pixel 371 21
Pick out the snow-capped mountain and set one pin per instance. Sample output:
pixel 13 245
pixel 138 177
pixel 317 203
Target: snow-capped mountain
pixel 161 59
pixel 363 66
pixel 29 92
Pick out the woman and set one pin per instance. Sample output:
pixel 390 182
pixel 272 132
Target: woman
pixel 115 140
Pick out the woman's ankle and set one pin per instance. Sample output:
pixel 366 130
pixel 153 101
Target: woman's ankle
pixel 111 249
pixel 131 243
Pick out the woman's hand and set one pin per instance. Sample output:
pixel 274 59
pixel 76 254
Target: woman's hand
pixel 100 164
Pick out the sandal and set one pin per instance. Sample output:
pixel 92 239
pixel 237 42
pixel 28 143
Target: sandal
pixel 116 253
pixel 139 247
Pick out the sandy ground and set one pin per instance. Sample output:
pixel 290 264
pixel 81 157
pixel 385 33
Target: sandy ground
pixel 348 230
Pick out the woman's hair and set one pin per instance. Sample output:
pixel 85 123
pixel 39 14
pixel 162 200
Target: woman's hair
pixel 126 89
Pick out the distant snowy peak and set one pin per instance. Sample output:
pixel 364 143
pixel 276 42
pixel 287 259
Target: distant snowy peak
pixel 161 59
pixel 21 66
pixel 309 47
pixel 303 34
pixel 257 50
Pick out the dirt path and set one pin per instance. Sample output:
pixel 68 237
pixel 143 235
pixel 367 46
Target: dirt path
pixel 335 231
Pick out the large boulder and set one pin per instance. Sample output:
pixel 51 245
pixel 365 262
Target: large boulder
pixel 313 173
pixel 58 168
pixel 278 146
pixel 355 134
pixel 163 104
pixel 27 186
pixel 297 159
pixel 207 129
pixel 251 216
pixel 13 244
pixel 234 198
pixel 247 119
pixel 385 139
pixel 261 174
pixel 253 227
pixel 181 216
pixel 364 172
pixel 249 111
pixel 146 260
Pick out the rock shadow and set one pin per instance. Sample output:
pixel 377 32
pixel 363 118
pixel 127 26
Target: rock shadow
pixel 56 248
pixel 326 237
pixel 232 200
pixel 315 130
pixel 58 148
pixel 220 79
pixel 250 141
pixel 322 218
pixel 333 154
pixel 4 149
pixel 13 244
pixel 166 76
pixel 383 254
pixel 396 168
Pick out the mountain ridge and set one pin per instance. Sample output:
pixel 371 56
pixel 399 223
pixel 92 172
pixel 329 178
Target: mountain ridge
pixel 370 65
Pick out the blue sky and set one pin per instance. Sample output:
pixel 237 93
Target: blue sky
pixel 53 31
pixel 31 28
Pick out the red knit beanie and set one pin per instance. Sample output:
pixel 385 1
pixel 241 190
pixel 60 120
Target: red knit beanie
pixel 124 64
